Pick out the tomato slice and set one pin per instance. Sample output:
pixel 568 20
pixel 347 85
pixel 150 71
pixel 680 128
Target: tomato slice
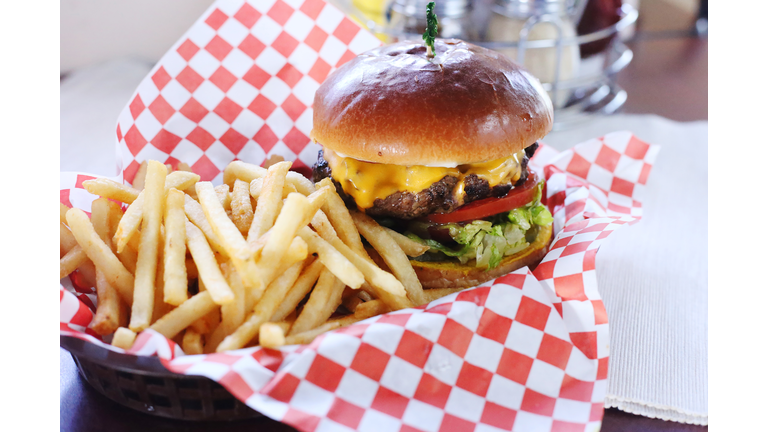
pixel 517 197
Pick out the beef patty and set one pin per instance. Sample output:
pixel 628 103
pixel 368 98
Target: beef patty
pixel 438 198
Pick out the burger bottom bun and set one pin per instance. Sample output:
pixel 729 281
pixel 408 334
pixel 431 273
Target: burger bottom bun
pixel 449 274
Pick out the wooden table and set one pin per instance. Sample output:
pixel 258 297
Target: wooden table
pixel 668 77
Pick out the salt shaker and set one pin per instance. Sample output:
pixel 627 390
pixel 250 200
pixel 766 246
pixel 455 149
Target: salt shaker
pixel 535 20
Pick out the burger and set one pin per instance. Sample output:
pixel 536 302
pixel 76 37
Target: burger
pixel 437 148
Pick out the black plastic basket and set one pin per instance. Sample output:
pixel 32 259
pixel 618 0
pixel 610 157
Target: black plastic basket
pixel 143 384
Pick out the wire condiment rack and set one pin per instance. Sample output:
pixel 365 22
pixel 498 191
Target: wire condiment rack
pixel 576 99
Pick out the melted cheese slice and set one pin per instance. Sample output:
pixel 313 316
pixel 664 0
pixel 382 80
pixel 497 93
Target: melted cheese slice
pixel 368 181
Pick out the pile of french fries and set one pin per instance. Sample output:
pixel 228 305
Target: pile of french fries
pixel 268 258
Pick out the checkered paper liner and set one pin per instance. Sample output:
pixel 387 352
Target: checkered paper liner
pixel 239 85
pixel 528 351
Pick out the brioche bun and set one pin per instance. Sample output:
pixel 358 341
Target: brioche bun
pixel 466 105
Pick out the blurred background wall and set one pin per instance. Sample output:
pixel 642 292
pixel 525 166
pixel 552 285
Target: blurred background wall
pixel 95 31
pixel 108 47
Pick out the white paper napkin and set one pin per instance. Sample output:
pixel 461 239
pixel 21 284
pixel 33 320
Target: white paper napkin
pixel 654 286
pixel 653 276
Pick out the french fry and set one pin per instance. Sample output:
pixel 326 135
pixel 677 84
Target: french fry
pixel 183 316
pixel 195 214
pixel 239 170
pixel 129 224
pixel 207 267
pixel 123 338
pixel 111 189
pixel 232 314
pixel 298 251
pixel 316 200
pixel 110 313
pixel 160 307
pixel 264 309
pixel 310 335
pixel 271 335
pixel 169 168
pixel 138 180
pixel 130 254
pixel 71 261
pixel 222 192
pixel 289 188
pixel 298 291
pixel 75 259
pixel 248 172
pixel 201 326
pixel 192 343
pixel 296 209
pixel 100 219
pixel 433 294
pixel 229 236
pixel 255 188
pixel 410 247
pixel 392 255
pixel 323 301
pixel 183 166
pixel 242 212
pixel 385 286
pixel 323 226
pixel 334 260
pixel 66 239
pixel 63 212
pixel 250 241
pixel 180 180
pixel 114 214
pixel 269 197
pixel 101 255
pixel 191 193
pixel 88 273
pixel 342 222
pixel 212 320
pixel 174 270
pixel 146 265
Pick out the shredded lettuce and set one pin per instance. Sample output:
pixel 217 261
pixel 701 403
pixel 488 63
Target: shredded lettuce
pixel 520 217
pixel 465 234
pixel 541 216
pixel 489 241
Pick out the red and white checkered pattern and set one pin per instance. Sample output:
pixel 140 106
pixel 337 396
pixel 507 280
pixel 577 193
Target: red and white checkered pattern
pixel 607 177
pixel 526 352
pixel 239 85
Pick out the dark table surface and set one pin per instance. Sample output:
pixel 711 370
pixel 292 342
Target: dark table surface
pixel 668 77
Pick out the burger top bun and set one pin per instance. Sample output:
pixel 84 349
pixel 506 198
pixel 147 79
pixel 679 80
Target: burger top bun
pixel 394 105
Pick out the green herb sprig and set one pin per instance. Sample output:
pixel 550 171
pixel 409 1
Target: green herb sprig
pixel 431 32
